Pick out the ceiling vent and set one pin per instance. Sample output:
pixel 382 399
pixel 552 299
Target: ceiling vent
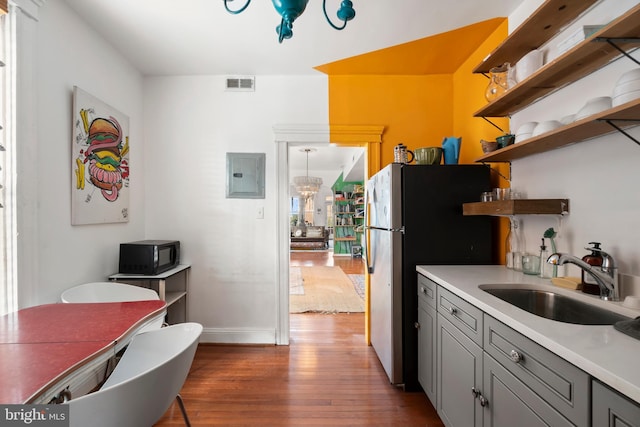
pixel 241 84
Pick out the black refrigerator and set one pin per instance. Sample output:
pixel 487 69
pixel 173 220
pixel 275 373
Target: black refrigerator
pixel 414 217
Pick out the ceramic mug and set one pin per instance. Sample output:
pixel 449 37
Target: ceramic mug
pixel 428 155
pixel 401 154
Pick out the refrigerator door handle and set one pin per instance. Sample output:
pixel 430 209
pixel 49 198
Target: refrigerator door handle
pixel 393 230
pixel 366 251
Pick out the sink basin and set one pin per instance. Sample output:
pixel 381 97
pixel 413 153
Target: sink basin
pixel 556 307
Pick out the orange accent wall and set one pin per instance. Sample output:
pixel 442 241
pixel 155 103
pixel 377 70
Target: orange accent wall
pixel 469 97
pixel 415 110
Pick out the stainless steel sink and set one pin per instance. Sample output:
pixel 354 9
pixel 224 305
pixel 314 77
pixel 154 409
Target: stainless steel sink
pixel 556 307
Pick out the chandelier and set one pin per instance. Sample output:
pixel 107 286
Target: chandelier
pixel 307 185
pixel 291 9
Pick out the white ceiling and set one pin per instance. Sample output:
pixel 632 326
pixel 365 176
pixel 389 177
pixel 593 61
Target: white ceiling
pixel 198 37
pixel 186 37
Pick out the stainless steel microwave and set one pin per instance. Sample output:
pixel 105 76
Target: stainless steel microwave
pixel 149 257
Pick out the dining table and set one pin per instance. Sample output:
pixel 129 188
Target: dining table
pixel 52 352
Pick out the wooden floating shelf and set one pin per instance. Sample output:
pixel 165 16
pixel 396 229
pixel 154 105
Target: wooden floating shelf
pixel 518 207
pixel 539 28
pixel 583 59
pixel 587 128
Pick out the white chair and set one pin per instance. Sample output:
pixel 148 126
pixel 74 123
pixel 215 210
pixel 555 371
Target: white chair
pixel 107 292
pixel 147 379
pixel 112 292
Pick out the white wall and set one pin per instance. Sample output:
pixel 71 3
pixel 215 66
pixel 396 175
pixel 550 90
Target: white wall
pixel 599 177
pixel 54 254
pixel 190 124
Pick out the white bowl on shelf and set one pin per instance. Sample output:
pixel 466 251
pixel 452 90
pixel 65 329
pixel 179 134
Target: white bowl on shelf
pixel 623 98
pixel 546 126
pixel 626 88
pixel 528 64
pixel 521 137
pixel 524 131
pixel 594 106
pixel 527 127
pixel 629 76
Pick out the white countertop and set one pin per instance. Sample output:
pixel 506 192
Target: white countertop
pixel 601 351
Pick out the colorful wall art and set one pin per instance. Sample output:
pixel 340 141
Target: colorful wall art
pixel 100 162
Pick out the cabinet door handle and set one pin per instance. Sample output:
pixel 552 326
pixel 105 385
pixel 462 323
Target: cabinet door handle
pixel 483 402
pixel 423 290
pixel 453 310
pixel 416 325
pixel 475 392
pixel 515 356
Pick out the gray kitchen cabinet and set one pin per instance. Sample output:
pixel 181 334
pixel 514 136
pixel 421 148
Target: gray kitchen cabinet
pixel 459 361
pixel 427 319
pixel 611 409
pixel 459 377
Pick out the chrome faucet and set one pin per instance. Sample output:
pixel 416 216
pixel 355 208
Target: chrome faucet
pixel 606 276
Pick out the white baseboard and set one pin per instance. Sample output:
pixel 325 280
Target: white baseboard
pixel 238 336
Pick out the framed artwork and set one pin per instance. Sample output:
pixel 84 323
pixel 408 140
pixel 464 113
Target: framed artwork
pixel 100 162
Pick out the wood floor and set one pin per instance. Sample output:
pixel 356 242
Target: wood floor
pixel 325 258
pixel 327 376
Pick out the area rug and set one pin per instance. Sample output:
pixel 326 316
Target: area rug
pixel 358 283
pixel 296 286
pixel 326 290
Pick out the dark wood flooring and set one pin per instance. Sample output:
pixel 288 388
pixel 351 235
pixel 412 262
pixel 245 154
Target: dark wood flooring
pixel 327 376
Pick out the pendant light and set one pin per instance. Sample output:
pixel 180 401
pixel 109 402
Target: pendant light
pixel 307 185
pixel 291 9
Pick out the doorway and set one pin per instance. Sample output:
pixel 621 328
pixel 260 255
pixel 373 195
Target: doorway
pixel 324 278
pixel 368 137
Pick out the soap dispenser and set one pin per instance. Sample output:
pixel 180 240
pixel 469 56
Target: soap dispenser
pixel 594 259
pixel 546 269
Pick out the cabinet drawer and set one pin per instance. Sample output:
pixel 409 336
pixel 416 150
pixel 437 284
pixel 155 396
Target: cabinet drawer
pixel 463 315
pixel 427 290
pixel 549 376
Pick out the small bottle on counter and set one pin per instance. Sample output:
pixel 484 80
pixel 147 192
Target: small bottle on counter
pixel 517 244
pixel 546 269
pixel 594 259
pixel 508 250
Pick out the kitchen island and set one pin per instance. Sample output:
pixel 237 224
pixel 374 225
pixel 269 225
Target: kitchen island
pixel 600 351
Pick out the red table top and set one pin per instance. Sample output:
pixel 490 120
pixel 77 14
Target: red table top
pixel 40 345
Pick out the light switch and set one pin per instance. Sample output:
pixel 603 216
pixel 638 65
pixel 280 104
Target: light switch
pixel 260 213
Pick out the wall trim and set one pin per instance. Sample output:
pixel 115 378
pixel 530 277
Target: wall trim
pixel 296 133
